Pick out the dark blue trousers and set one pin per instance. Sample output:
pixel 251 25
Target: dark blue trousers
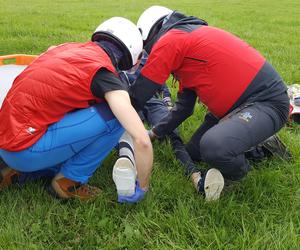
pixel 222 144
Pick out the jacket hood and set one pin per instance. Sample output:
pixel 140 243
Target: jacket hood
pixel 175 20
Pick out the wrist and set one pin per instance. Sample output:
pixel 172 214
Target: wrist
pixel 151 134
pixel 143 188
pixel 154 132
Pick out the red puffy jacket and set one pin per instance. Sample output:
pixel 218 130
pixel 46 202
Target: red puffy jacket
pixel 57 82
pixel 215 64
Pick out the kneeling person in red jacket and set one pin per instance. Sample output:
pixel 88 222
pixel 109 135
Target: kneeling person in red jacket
pixel 245 96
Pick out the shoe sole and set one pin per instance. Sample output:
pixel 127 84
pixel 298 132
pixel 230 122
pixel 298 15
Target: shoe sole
pixel 213 184
pixel 122 163
pixel 56 191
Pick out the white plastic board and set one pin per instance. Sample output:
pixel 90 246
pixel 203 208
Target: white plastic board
pixel 8 73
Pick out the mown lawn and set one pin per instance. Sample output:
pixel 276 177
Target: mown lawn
pixel 261 212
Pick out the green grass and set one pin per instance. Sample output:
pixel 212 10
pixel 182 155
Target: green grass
pixel 261 212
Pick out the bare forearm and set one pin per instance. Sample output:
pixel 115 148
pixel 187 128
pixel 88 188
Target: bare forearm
pixel 119 103
pixel 144 161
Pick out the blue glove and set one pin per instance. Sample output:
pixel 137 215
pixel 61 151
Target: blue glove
pixel 136 197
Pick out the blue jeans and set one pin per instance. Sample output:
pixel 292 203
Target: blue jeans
pixel 74 146
pixel 154 110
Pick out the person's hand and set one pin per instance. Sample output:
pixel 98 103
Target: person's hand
pixel 152 135
pixel 168 102
pixel 136 197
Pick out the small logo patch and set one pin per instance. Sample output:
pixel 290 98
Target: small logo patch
pixel 246 116
pixel 31 130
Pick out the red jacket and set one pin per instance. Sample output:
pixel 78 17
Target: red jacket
pixel 57 82
pixel 215 64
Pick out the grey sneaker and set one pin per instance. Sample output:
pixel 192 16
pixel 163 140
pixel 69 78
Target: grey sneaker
pixel 209 183
pixel 274 146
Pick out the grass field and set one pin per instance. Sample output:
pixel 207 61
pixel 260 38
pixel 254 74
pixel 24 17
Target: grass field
pixel 261 212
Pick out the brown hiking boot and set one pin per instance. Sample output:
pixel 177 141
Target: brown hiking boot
pixel 8 176
pixel 64 188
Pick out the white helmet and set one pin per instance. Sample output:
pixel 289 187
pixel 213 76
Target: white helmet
pixel 125 35
pixel 150 19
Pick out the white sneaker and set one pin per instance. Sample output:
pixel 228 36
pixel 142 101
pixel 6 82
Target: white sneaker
pixel 124 176
pixel 210 183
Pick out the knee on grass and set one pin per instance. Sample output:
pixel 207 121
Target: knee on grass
pixel 213 150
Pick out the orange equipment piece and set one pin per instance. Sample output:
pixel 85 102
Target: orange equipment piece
pixel 18 59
